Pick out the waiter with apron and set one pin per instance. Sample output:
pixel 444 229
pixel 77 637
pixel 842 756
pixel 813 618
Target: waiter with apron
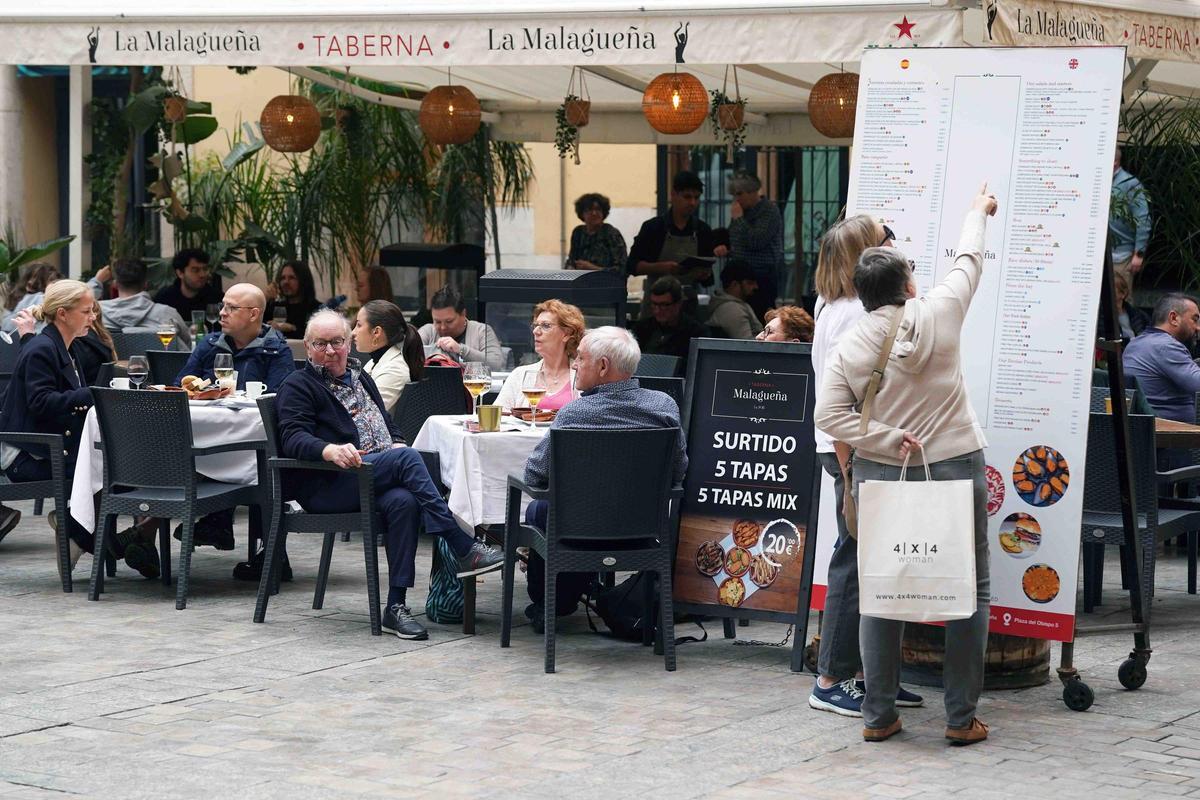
pixel 664 243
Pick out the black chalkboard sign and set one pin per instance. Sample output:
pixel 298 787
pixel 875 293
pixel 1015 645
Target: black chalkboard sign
pixel 751 492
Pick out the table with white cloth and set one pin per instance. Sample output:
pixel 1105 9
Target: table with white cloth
pixel 476 466
pixel 213 422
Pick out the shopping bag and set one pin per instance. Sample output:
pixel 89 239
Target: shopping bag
pixel 916 549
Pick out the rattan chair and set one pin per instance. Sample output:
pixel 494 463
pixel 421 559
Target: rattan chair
pixel 55 488
pixel 671 386
pixel 439 392
pixel 138 342
pixel 610 501
pixel 1158 517
pixel 165 365
pixel 150 469
pixel 653 365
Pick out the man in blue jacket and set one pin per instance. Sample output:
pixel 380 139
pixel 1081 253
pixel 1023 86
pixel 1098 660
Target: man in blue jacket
pixel 331 411
pixel 260 353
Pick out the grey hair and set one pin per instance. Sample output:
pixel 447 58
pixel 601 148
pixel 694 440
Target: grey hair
pixel 743 181
pixel 1175 301
pixel 881 277
pixel 615 344
pixel 325 315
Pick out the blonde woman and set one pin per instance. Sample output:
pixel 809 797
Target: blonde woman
pixel 558 328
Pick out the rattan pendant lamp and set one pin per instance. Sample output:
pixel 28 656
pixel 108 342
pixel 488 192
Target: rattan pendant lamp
pixel 449 114
pixel 675 102
pixel 290 123
pixel 832 104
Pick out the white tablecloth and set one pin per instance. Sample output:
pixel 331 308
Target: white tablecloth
pixel 476 466
pixel 213 422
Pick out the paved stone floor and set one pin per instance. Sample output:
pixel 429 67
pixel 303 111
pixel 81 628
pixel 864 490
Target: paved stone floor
pixel 128 698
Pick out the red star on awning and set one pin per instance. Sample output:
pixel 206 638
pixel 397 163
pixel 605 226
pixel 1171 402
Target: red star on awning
pixel 905 28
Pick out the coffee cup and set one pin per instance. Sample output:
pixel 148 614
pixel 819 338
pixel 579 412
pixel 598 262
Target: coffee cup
pixel 254 389
pixel 119 383
pixel 489 418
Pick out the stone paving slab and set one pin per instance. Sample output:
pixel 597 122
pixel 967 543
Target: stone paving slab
pixel 129 698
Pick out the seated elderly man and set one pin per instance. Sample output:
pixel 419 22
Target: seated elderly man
pixel 610 398
pixel 331 410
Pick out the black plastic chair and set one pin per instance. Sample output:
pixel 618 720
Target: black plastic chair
pixel 150 469
pixel 439 392
pixel 165 365
pixel 610 510
pixel 1158 517
pixel 284 521
pixel 653 365
pixel 136 343
pixel 55 488
pixel 671 386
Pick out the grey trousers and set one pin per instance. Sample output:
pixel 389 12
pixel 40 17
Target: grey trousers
pixel 838 656
pixel 966 639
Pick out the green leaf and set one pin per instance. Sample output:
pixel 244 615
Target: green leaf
pixel 3 257
pixel 243 150
pixel 198 107
pixel 195 129
pixel 327 123
pixel 39 251
pixel 145 109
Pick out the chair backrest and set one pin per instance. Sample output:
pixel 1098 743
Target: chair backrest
pixel 1100 398
pixel 1102 492
pixel 146 438
pixel 165 365
pixel 671 386
pixel 270 418
pixel 610 484
pixel 658 366
pixel 131 343
pixel 439 392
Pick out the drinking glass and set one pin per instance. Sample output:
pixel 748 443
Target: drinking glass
pixel 198 326
pixel 478 379
pixel 137 370
pixel 223 366
pixel 212 314
pixel 280 313
pixel 533 386
pixel 165 335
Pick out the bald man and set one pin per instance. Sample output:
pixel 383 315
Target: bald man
pixel 260 353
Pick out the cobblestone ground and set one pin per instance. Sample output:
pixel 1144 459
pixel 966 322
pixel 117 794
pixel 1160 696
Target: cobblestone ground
pixel 128 698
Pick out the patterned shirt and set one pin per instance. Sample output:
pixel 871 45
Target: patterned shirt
pixel 374 436
pixel 621 404
pixel 605 248
pixel 757 238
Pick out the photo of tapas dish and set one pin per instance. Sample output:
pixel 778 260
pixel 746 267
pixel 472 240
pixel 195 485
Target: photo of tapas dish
pixel 746 533
pixel 1041 583
pixel 1020 535
pixel 731 592
pixel 737 561
pixel 1041 476
pixel 710 558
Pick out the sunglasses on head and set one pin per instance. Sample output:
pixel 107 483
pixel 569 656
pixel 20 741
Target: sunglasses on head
pixel 887 234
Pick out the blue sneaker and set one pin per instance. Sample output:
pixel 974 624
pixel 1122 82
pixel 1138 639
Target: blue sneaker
pixel 843 698
pixel 904 698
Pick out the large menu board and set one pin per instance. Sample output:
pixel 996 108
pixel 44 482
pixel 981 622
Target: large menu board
pixel 1039 125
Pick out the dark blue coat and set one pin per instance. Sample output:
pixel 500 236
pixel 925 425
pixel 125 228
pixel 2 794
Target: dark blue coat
pixel 311 417
pixel 267 359
pixel 46 396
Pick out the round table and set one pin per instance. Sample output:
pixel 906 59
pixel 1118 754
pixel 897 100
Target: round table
pixel 476 466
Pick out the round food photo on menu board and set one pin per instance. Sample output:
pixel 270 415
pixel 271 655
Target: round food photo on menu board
pixel 995 490
pixel 1020 535
pixel 1041 476
pixel 1041 583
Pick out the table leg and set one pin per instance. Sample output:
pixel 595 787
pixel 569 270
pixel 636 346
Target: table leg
pixel 468 626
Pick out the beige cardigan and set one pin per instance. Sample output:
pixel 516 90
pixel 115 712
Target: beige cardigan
pixel 922 391
pixel 391 374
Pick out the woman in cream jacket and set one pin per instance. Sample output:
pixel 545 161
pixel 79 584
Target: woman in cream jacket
pixel 392 346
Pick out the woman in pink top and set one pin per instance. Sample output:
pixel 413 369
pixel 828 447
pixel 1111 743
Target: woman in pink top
pixel 557 328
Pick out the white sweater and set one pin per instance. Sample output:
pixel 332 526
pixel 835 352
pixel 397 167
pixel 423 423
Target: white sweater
pixel 922 391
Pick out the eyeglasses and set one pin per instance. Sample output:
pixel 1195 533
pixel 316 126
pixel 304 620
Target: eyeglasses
pixel 887 234
pixel 230 307
pixel 663 303
pixel 321 344
pixel 544 327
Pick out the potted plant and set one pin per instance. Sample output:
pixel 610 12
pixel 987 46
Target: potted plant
pixel 727 115
pixel 574 113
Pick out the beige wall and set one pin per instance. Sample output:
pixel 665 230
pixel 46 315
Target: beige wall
pixel 40 166
pixel 235 99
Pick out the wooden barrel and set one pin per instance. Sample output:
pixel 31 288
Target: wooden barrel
pixel 1010 662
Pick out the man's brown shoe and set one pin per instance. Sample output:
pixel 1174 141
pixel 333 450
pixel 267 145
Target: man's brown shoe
pixel 879 734
pixel 977 731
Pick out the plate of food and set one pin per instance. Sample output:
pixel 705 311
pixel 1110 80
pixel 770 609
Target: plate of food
pixel 1020 535
pixel 710 558
pixel 1041 583
pixel 731 592
pixel 1041 476
pixel 203 389
pixel 543 417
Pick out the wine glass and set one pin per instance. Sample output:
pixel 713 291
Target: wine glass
pixel 223 367
pixel 533 386
pixel 212 314
pixel 280 313
pixel 478 379
pixel 137 370
pixel 165 335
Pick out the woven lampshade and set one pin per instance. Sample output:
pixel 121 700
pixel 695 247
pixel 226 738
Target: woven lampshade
pixel 675 102
pixel 832 103
pixel 449 115
pixel 290 123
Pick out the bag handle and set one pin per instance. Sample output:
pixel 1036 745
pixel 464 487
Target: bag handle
pixel 877 373
pixel 924 463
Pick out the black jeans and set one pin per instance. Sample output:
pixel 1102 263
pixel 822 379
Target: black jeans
pixel 570 586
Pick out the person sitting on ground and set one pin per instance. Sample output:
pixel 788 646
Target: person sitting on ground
pixel 557 329
pixel 668 330
pixel 34 279
pixel 611 398
pixel 728 311
pixel 462 339
pixel 48 394
pixel 922 403
pixel 260 353
pixel 373 283
pixel 331 411
pixel 787 324
pixel 1160 360
pixel 132 307
pixel 595 244
pixel 295 291
pixel 394 348
pixel 195 287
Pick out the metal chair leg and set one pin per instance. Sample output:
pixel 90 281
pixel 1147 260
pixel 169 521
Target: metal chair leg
pixel 266 580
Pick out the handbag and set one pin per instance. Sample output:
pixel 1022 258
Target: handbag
pixel 849 509
pixel 916 548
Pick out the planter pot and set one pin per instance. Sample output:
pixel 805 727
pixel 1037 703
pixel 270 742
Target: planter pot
pixel 731 116
pixel 578 112
pixel 175 109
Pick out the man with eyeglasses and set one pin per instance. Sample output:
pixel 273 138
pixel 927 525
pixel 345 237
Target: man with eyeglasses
pixel 668 330
pixel 331 411
pixel 260 353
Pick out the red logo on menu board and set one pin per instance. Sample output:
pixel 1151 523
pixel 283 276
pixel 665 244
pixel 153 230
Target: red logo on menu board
pixel 1073 63
pixel 905 28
